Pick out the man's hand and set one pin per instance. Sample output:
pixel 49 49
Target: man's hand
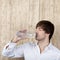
pixel 22 35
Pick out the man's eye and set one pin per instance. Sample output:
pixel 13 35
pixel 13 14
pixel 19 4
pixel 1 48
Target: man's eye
pixel 40 29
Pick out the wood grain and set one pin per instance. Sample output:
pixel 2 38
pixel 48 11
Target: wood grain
pixel 24 14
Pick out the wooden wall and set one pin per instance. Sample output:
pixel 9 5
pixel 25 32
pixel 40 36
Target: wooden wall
pixel 24 14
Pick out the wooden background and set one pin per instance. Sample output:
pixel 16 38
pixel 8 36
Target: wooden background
pixel 24 14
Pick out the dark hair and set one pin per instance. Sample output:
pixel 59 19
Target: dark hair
pixel 47 26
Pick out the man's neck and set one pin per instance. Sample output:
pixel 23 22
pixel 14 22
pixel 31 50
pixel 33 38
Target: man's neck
pixel 42 45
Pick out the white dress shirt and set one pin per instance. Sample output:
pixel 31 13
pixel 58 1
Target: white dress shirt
pixel 31 51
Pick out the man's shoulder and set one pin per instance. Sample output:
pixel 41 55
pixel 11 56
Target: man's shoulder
pixel 55 49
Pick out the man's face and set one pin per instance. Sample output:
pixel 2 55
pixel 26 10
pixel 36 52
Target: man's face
pixel 40 34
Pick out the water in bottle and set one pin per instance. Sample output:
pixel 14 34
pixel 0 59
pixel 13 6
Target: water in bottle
pixel 25 34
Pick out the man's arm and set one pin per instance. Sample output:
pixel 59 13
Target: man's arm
pixel 10 50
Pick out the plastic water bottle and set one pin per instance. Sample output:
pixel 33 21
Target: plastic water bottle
pixel 25 35
pixel 30 35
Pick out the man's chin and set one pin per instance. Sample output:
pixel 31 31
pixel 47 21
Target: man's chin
pixel 38 39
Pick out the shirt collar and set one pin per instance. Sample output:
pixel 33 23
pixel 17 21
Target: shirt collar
pixel 47 47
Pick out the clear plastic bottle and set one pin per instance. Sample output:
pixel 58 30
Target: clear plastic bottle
pixel 25 34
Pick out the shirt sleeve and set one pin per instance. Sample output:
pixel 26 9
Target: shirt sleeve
pixel 13 51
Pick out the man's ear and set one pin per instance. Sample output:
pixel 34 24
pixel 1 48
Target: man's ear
pixel 47 33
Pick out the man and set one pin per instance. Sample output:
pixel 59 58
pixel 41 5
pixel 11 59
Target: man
pixel 41 50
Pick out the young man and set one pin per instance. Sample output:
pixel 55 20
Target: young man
pixel 41 50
